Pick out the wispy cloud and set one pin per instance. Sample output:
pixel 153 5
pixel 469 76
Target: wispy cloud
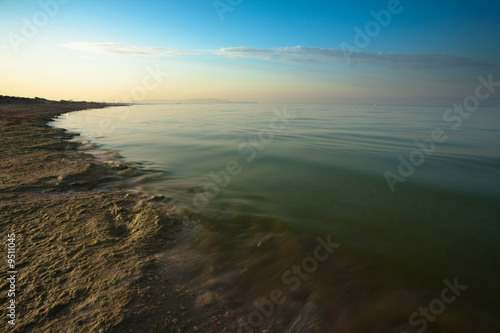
pixel 125 49
pixel 298 55
pixel 289 54
pixel 255 67
pixel 279 68
pixel 313 55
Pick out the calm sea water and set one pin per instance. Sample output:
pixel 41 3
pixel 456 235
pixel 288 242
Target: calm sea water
pixel 260 172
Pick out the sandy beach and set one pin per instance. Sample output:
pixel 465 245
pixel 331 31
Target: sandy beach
pixel 85 260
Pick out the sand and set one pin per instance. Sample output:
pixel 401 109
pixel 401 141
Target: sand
pixel 86 260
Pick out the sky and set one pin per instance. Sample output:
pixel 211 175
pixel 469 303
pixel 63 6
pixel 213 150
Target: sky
pixel 418 52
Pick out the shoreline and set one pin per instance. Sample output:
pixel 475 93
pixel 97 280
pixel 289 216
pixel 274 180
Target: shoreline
pixel 87 260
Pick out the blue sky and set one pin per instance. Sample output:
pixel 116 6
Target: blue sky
pixel 266 51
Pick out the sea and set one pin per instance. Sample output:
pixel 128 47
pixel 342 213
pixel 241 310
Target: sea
pixel 381 207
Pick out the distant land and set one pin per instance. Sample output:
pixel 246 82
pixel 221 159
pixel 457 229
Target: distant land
pixel 13 100
pixel 191 101
pixel 37 100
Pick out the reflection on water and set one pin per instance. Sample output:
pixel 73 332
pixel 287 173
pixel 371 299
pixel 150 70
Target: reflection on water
pixel 266 189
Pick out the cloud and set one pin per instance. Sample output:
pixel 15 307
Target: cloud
pixel 254 67
pixel 267 68
pixel 288 54
pixel 297 55
pixel 312 55
pixel 125 49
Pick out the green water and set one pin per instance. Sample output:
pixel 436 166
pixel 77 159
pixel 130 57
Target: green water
pixel 283 175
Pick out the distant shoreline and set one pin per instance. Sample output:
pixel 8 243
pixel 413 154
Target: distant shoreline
pixel 191 101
